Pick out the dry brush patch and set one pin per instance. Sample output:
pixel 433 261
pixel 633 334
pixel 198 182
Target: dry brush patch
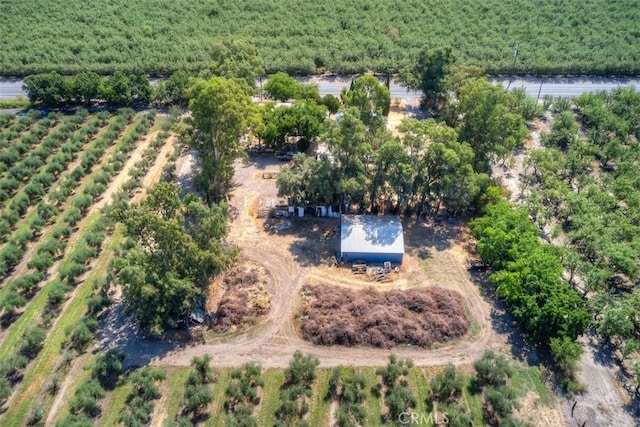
pixel 245 297
pixel 335 315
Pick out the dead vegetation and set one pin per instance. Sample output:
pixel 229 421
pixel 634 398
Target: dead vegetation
pixel 244 297
pixel 334 315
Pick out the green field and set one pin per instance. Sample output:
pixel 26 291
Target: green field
pixel 158 36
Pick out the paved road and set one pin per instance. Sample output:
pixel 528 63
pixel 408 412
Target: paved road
pixel 11 88
pixel 554 86
pixel 568 86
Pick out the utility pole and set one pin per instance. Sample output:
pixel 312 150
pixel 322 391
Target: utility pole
pixel 540 89
pixel 513 68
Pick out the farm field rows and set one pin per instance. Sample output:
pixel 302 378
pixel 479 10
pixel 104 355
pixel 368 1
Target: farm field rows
pixel 302 37
pixel 167 405
pixel 59 242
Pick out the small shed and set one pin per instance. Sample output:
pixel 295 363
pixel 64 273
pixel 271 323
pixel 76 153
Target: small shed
pixel 370 238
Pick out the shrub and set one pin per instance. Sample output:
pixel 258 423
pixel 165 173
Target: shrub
pixel 197 397
pixel 52 246
pixel 107 368
pixel 28 283
pixel 72 216
pixel 86 398
pixel 36 413
pixel 36 224
pixel 71 271
pixel 5 228
pixel 13 301
pixel 20 203
pixel 61 231
pixel 32 341
pixel 492 369
pixel 82 253
pixel 96 303
pixel 22 236
pixel 447 386
pixel 41 262
pixel 5 390
pixel 94 239
pixel 82 334
pixel 11 367
pixel 34 191
pixel 11 254
pixel 10 216
pixel 57 293
pixel 83 202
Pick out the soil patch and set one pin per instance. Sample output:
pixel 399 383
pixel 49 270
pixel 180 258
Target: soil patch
pixel 423 317
pixel 239 297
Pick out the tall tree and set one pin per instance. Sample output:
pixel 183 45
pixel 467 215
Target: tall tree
pixel 87 86
pixel 281 86
pixel 237 60
pixel 350 142
pixel 175 89
pixel 221 113
pixel 487 123
pixel 428 74
pixel 302 118
pixel 165 266
pixel 51 88
pixel 371 98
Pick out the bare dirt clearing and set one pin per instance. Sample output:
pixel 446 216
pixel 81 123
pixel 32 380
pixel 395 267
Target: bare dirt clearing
pixel 299 254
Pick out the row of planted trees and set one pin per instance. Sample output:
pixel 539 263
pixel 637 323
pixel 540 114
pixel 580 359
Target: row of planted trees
pixel 448 398
pixel 580 186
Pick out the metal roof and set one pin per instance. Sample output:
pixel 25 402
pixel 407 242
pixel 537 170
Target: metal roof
pixel 371 234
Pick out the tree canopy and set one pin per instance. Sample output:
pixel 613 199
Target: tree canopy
pixel 221 112
pixel 165 265
pixel 282 87
pixel 427 73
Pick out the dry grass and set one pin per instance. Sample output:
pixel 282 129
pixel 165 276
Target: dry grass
pixel 245 297
pixel 336 315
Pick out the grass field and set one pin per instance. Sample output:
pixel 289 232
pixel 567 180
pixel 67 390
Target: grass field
pixel 571 36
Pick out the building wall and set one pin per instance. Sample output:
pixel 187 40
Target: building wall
pixel 371 258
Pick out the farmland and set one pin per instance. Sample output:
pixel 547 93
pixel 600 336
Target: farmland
pixel 59 171
pixel 159 37
pixel 526 381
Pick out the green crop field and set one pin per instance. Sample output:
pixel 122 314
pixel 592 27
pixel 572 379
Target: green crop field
pixel 159 36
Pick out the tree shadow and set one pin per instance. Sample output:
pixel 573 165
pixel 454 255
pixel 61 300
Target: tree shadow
pixel 260 161
pixel 438 234
pixel 315 238
pixel 522 349
pixel 120 332
pixel 603 351
pixel 186 178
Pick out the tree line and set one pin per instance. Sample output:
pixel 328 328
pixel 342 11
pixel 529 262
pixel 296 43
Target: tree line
pixel 433 165
pixel 528 277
